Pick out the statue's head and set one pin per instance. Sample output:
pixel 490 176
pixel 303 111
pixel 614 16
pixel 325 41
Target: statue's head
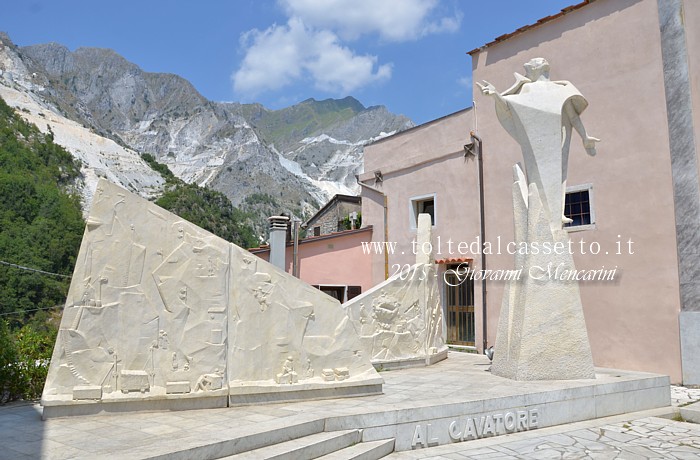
pixel 536 68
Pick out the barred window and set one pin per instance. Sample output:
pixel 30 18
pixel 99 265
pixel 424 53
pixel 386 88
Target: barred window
pixel 578 206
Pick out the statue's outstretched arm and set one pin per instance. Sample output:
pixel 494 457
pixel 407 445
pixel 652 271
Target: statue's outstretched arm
pixel 502 110
pixel 487 89
pixel 588 141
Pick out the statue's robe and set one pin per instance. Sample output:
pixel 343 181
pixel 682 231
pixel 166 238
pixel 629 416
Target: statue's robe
pixel 535 115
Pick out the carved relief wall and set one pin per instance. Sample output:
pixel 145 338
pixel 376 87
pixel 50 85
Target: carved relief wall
pixel 283 331
pixel 160 310
pixel 400 321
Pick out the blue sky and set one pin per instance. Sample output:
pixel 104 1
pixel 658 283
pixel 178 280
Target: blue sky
pixel 409 55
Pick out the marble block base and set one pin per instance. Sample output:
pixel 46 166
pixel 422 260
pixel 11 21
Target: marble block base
pixel 61 408
pixel 426 405
pixel 690 346
pixel 260 394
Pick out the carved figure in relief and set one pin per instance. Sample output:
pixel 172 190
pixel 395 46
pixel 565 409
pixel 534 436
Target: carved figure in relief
pixel 309 373
pixel 363 314
pixel 212 267
pixel 288 374
pixel 263 289
pixel 114 371
pixel 247 262
pixel 208 382
pixel 163 341
pixel 385 308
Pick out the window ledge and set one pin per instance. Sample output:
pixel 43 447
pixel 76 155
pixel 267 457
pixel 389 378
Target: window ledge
pixel 580 228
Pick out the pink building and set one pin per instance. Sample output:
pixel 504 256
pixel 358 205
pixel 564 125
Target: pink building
pixel 636 205
pixel 336 263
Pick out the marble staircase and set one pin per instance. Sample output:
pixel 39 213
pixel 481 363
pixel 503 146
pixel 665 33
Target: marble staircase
pixel 345 444
pixel 298 441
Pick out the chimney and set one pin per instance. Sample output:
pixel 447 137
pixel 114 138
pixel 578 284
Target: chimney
pixel 278 240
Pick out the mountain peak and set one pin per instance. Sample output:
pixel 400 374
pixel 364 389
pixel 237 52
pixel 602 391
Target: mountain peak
pixel 333 105
pixel 5 39
pixel 267 161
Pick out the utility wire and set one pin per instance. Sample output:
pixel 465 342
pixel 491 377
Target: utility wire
pixel 25 311
pixel 21 267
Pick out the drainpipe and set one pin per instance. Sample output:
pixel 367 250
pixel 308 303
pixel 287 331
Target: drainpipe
pixel 295 255
pixel 386 223
pixel 480 159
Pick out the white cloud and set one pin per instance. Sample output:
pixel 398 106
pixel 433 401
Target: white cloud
pixel 337 69
pixel 281 55
pixel 466 82
pixel 272 59
pixel 310 47
pixel 393 20
pixel 446 24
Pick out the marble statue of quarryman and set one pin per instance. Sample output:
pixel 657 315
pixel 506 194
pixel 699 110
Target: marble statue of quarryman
pixel 540 114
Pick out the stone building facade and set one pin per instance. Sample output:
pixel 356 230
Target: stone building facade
pixel 331 217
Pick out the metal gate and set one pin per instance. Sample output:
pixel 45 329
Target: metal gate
pixel 459 299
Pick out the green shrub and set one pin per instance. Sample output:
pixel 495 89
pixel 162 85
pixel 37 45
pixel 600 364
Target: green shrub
pixel 347 223
pixel 24 358
pixel 34 349
pixel 161 168
pixel 10 379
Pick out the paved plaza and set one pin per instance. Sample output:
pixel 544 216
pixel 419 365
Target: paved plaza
pixel 410 397
pixel 622 438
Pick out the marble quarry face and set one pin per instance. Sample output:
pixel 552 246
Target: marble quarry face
pixel 160 310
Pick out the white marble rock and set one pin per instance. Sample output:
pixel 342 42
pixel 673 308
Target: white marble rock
pixel 541 331
pixel 87 392
pixel 158 306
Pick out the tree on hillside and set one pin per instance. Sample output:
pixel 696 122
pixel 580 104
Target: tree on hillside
pixel 41 227
pixel 206 208
pixel 41 222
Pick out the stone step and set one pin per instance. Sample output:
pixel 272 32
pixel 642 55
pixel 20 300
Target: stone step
pixel 691 412
pixel 257 437
pixel 372 450
pixel 307 447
